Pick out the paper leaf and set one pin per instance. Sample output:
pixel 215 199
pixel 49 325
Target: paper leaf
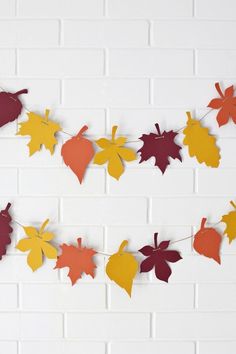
pixel 37 243
pixel 200 143
pixel 161 146
pixel 114 153
pixel 10 106
pixel 122 268
pixel 207 242
pixel 230 221
pixel 79 260
pixel 5 229
pixel 158 258
pixel 226 105
pixel 41 130
pixel 77 153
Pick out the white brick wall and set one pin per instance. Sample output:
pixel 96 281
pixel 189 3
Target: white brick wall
pixel 131 63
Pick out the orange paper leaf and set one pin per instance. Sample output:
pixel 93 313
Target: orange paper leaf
pixel 77 153
pixel 207 242
pixel 78 259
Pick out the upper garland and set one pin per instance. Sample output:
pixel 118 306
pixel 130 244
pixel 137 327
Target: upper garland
pixel 78 152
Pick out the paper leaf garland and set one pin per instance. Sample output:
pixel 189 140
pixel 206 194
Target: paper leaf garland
pixel 122 268
pixel 41 130
pixel 207 242
pixel 226 105
pixel 114 153
pixel 161 146
pixel 230 221
pixel 5 229
pixel 158 258
pixel 200 143
pixel 10 106
pixel 37 243
pixel 79 260
pixel 77 153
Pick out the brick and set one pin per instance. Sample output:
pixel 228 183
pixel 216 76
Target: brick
pixel 8 181
pixel 9 347
pixel 7 8
pixel 215 9
pixel 152 347
pixel 217 347
pixel 210 181
pixel 216 297
pixel 216 63
pixel 7 61
pixel 8 299
pixel 62 347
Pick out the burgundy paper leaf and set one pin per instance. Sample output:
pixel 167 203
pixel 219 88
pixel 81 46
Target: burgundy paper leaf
pixel 10 106
pixel 161 146
pixel 5 230
pixel 158 258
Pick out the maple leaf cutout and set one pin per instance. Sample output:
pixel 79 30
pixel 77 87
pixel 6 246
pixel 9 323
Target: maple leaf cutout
pixel 79 260
pixel 226 105
pixel 41 130
pixel 5 229
pixel 114 153
pixel 158 258
pixel 161 146
pixel 230 221
pixel 37 243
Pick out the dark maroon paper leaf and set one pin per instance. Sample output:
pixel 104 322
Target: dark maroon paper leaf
pixel 10 106
pixel 158 258
pixel 161 146
pixel 5 230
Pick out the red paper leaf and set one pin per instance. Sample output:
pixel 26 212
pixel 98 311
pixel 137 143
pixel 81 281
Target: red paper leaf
pixel 10 106
pixel 78 259
pixel 5 229
pixel 77 153
pixel 161 146
pixel 226 105
pixel 158 258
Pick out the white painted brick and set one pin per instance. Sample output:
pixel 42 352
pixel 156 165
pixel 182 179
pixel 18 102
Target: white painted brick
pixel 8 298
pixel 9 347
pixel 108 326
pixel 216 9
pixel 60 8
pixel 106 92
pixel 106 33
pixel 62 347
pixel 216 63
pixel 101 210
pixel 9 130
pixel 211 181
pixel 150 8
pixel 207 325
pixel 63 297
pixel 194 34
pixel 29 33
pixel 150 62
pixel 7 61
pixel 7 8
pixel 8 181
pixel 216 297
pixel 60 63
pixel 217 347
pixel 152 347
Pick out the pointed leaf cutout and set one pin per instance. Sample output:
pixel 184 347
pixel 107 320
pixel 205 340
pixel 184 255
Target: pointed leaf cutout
pixel 37 243
pixel 226 105
pixel 122 268
pixel 161 146
pixel 207 242
pixel 230 221
pixel 41 130
pixel 77 153
pixel 5 229
pixel 78 259
pixel 158 257
pixel 200 143
pixel 114 153
pixel 10 106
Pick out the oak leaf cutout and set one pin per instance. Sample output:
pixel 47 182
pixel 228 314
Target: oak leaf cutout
pixel 226 105
pixel 200 143
pixel 207 242
pixel 38 244
pixel 77 153
pixel 78 259
pixel 5 229
pixel 230 221
pixel 158 257
pixel 41 130
pixel 10 106
pixel 122 268
pixel 161 146
pixel 114 153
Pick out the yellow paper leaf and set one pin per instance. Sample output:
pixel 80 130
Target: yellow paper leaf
pixel 41 130
pixel 114 153
pixel 200 143
pixel 230 221
pixel 37 242
pixel 122 268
